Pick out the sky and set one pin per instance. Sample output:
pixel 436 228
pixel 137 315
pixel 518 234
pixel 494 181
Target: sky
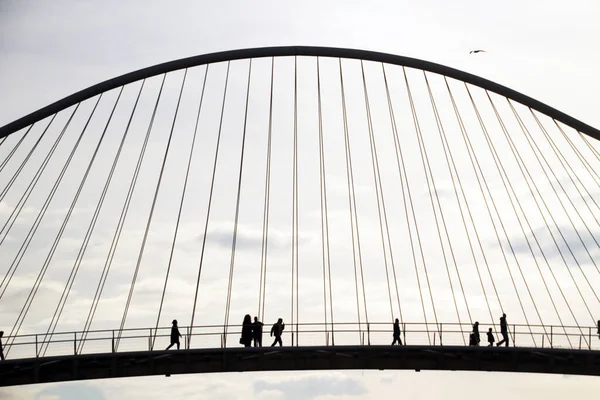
pixel 52 49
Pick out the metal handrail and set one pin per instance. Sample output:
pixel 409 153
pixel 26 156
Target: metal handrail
pixel 438 334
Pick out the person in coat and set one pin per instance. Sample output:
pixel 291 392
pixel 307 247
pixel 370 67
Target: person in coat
pixel 277 331
pixel 397 333
pixel 490 338
pixel 246 338
pixel 257 331
pixel 175 335
pixel 503 331
pixel 475 339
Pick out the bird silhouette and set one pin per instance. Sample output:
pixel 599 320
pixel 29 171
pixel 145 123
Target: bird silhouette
pixel 476 51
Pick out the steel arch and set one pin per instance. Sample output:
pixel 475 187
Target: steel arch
pixel 285 51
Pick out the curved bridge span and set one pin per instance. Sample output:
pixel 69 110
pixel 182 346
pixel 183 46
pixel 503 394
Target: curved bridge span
pixel 297 184
pixel 418 358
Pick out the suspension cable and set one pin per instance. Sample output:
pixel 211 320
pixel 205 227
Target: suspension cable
pixel 403 176
pixel 442 135
pixel 183 193
pixel 567 166
pixel 155 197
pixel 38 220
pixel 237 203
pixel 431 187
pixel 294 260
pixel 67 218
pixel 532 143
pixel 90 231
pixel 510 189
pixel 477 167
pixel 324 207
pixel 24 162
pixel 14 149
pixel 119 228
pixel 574 208
pixel 464 197
pixel 526 173
pixel 210 198
pixel 593 174
pixel 412 208
pixel 23 200
pixel 378 187
pixel 294 186
pixel 352 200
pixel 17 260
pixel 267 191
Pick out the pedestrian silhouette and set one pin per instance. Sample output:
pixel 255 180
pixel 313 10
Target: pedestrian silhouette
pixel 276 331
pixel 397 333
pixel 175 335
pixel 490 337
pixel 474 338
pixel 1 348
pixel 246 338
pixel 257 330
pixel 503 331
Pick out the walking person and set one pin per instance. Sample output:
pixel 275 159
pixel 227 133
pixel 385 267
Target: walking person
pixel 277 331
pixel 1 348
pixel 397 333
pixel 246 338
pixel 503 331
pixel 175 335
pixel 490 338
pixel 474 339
pixel 257 331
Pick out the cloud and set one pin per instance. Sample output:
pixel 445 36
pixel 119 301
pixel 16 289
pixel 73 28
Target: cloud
pixel 311 387
pixel 579 243
pixel 71 391
pixel 247 238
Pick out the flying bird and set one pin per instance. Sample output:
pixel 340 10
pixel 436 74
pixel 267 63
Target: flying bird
pixel 476 51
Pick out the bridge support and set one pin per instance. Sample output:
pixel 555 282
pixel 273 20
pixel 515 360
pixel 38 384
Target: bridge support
pixel 112 365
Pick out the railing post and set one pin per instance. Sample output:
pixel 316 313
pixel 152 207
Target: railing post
pixel 187 341
pixel 590 338
pixel 36 346
pixel 75 343
pixel 514 337
pixel 441 332
pixel 551 344
pixel 150 340
pixel 368 334
pixel 332 335
pixel 404 332
pixel 543 340
pixel 113 340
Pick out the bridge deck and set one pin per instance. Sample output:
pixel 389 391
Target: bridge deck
pixel 117 365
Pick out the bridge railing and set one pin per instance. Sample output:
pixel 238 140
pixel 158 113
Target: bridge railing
pixel 303 334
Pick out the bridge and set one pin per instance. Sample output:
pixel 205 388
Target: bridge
pixel 337 189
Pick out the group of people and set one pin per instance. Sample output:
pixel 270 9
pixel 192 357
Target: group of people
pixel 253 331
pixel 475 339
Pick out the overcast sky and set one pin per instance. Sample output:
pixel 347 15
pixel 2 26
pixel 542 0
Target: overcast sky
pixel 50 49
